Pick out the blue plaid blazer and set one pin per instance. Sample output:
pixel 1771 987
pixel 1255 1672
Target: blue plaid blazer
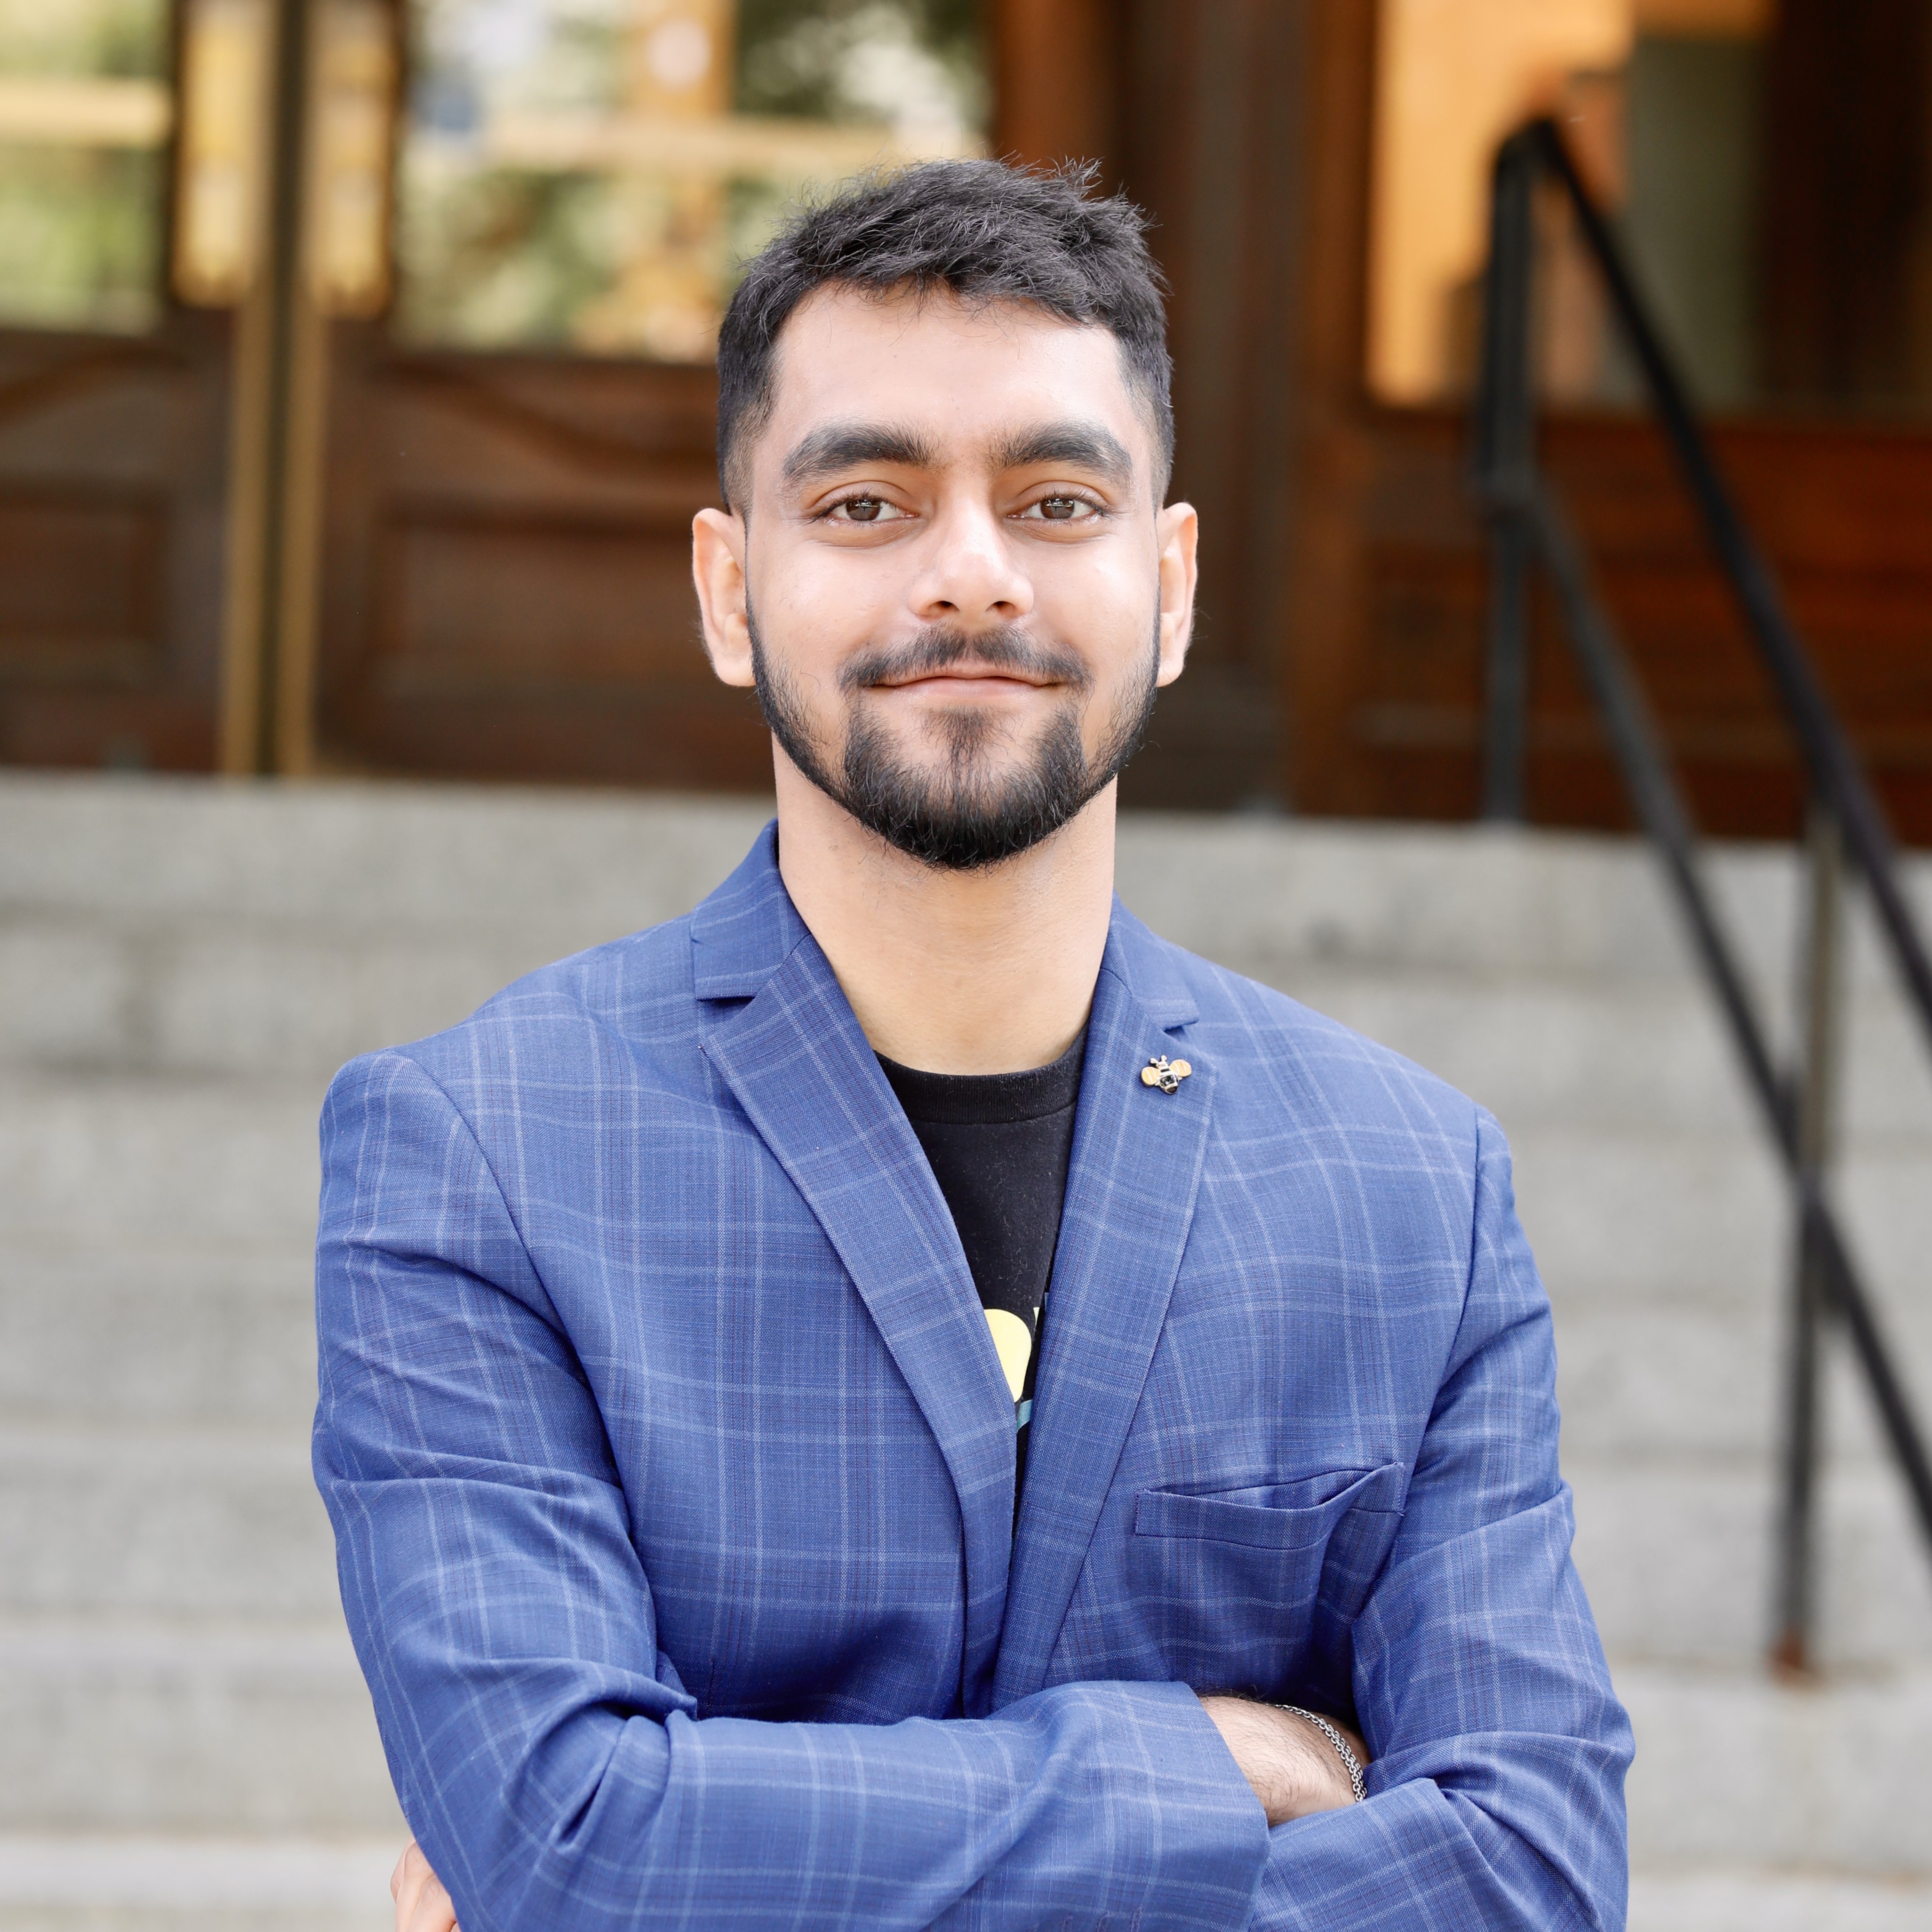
pixel 671 1469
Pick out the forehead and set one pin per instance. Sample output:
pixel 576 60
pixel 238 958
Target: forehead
pixel 965 374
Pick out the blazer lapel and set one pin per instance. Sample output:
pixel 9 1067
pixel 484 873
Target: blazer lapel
pixel 1130 1193
pixel 800 1065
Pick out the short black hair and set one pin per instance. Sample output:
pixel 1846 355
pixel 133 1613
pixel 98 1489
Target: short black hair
pixel 987 231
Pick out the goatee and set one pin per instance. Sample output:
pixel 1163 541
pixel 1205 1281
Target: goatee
pixel 963 816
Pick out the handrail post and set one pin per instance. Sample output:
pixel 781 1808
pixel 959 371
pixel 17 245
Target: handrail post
pixel 1815 1107
pixel 1506 449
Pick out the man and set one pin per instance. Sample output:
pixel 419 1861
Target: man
pixel 861 1406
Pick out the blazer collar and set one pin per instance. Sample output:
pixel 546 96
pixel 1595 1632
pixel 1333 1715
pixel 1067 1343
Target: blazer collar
pixel 805 1075
pixel 791 1049
pixel 745 930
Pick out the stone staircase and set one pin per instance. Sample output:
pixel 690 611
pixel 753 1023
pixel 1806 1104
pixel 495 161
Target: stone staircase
pixel 184 1740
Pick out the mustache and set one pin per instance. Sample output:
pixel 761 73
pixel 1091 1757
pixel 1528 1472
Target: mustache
pixel 939 646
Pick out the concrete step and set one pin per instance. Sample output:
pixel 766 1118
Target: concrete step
pixel 155 1165
pixel 250 998
pixel 1775 1900
pixel 1734 1770
pixel 260 1732
pixel 148 1884
pixel 142 1882
pixel 235 1728
pixel 250 1001
pixel 1677 1557
pixel 582 865
pixel 1676 1553
pixel 208 1523
pixel 161 1884
pixel 1659 1381
pixel 1275 896
pixel 1616 1053
pixel 1690 1219
pixel 128 1338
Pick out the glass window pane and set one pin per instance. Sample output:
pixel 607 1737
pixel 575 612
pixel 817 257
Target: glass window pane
pixel 84 116
pixel 585 174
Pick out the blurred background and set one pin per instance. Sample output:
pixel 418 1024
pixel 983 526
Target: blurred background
pixel 356 398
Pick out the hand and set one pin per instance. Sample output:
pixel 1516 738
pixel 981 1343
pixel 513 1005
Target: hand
pixel 422 1903
pixel 1294 1770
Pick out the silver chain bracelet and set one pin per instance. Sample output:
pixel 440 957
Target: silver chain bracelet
pixel 1343 1750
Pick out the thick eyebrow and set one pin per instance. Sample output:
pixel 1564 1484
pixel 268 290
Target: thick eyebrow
pixel 843 445
pixel 1087 445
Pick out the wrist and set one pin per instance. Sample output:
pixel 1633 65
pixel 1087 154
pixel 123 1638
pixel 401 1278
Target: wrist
pixel 1291 1767
pixel 1351 1758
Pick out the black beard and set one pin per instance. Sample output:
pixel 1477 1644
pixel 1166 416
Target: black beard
pixel 962 820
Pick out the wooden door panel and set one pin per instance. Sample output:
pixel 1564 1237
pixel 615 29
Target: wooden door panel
pixel 1842 513
pixel 112 456
pixel 509 589
pixel 519 603
pixel 1210 144
pixel 81 586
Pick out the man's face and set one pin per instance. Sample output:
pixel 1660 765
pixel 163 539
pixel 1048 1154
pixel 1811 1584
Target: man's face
pixel 953 591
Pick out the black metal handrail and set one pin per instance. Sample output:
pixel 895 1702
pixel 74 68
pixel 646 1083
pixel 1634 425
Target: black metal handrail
pixel 1528 526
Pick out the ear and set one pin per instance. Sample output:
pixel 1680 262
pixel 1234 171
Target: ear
pixel 718 567
pixel 1177 529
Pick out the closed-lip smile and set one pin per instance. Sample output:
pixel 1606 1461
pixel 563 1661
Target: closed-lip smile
pixel 967 680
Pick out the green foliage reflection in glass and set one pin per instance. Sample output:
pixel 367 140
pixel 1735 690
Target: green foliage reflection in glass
pixel 860 60
pixel 580 250
pixel 81 220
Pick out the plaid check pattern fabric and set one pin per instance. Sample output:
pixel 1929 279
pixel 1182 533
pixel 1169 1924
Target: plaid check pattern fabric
pixel 670 1466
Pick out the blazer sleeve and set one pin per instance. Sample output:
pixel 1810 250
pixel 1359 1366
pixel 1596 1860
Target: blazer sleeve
pixel 546 1755
pixel 1496 1794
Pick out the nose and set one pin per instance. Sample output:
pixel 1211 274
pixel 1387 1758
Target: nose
pixel 969 574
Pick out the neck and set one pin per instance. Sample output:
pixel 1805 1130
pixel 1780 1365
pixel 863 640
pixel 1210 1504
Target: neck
pixel 984 972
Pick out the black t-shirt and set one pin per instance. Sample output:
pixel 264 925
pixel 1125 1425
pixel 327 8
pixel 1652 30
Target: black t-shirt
pixel 998 1144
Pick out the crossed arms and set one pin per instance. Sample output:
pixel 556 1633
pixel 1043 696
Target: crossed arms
pixel 1293 1768
pixel 549 1760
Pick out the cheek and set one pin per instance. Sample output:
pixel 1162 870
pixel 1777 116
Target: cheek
pixel 808 629
pixel 1107 613
pixel 814 611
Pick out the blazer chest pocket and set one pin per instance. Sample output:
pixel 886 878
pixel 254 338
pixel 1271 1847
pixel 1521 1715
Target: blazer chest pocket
pixel 1249 1588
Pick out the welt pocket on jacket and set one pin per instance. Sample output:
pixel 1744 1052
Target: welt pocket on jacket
pixel 1297 1515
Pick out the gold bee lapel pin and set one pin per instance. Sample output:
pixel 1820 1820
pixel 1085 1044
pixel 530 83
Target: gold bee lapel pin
pixel 1165 1073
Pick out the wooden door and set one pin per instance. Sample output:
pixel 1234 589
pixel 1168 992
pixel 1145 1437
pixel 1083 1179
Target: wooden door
pixel 113 404
pixel 508 586
pixel 505 586
pixel 403 482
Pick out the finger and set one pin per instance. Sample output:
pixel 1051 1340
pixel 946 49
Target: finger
pixel 425 1905
pixel 396 1876
pixel 434 1912
pixel 415 1878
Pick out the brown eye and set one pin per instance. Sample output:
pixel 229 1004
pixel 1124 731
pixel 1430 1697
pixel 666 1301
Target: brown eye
pixel 864 509
pixel 1061 510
